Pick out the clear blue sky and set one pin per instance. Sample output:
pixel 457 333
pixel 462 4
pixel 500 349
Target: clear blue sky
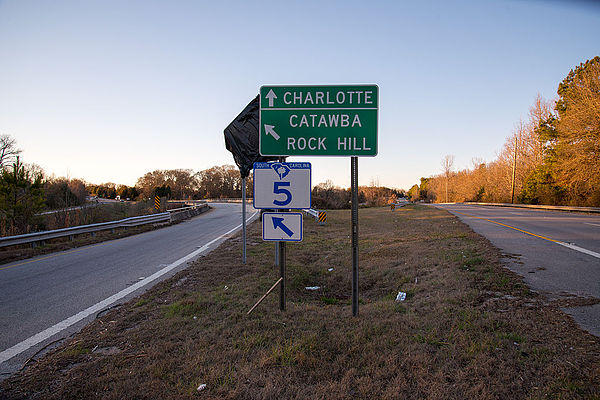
pixel 109 90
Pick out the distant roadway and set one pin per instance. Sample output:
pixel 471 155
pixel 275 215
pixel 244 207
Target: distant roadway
pixel 558 252
pixel 51 296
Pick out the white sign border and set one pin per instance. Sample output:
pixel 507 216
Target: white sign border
pixel 274 206
pixel 283 240
pixel 260 127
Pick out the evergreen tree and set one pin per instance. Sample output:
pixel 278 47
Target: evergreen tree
pixel 21 197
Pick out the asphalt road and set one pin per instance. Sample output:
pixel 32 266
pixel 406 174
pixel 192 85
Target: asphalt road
pixel 557 253
pixel 52 296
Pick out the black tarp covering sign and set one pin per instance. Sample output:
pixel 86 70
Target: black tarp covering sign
pixel 241 138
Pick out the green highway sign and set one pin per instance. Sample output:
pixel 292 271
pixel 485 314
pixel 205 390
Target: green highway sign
pixel 318 120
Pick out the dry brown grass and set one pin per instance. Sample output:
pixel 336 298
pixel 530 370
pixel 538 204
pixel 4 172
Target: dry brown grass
pixel 468 328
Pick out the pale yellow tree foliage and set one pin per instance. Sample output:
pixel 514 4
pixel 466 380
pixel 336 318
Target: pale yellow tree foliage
pixel 578 128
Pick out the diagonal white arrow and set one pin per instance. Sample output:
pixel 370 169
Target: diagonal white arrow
pixel 269 130
pixel 271 96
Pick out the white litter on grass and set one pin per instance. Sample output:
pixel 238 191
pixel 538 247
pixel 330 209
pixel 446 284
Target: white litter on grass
pixel 312 287
pixel 330 269
pixel 201 387
pixel 401 296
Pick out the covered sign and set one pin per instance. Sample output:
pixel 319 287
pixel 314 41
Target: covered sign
pixel 241 138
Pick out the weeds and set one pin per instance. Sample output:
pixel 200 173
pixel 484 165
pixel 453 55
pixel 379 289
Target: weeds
pixel 77 351
pixel 184 308
pixel 329 300
pixel 290 352
pixel 141 302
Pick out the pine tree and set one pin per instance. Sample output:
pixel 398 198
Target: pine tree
pixel 21 197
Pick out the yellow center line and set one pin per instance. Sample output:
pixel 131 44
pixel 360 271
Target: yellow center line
pixel 511 227
pixel 53 255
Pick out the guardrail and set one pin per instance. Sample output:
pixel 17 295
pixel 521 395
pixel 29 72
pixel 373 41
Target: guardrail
pixel 177 214
pixel 312 212
pixel 319 216
pixel 169 216
pixel 541 207
pixel 83 207
pixel 248 200
pixel 224 200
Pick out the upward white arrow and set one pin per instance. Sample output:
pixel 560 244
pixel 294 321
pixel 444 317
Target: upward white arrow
pixel 271 96
pixel 269 130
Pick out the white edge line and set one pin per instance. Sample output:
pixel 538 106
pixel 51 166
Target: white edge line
pixel 53 330
pixel 579 249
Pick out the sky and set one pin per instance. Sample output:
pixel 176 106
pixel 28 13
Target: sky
pixel 106 91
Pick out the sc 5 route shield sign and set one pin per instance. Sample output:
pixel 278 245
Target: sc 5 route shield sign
pixel 284 227
pixel 282 185
pixel 318 120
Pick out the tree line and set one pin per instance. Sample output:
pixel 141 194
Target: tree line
pixel 25 192
pixel 553 157
pixel 225 182
pixel 181 184
pixel 328 196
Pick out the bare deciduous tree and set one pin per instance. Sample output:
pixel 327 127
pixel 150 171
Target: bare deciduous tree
pixel 8 150
pixel 447 164
pixel 532 142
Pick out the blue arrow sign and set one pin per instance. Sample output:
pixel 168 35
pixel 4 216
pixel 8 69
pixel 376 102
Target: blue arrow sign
pixel 278 223
pixel 282 226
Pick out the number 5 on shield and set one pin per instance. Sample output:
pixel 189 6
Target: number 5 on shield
pixel 278 189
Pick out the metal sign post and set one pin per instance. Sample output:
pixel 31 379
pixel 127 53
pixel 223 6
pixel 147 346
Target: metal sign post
pixel 323 120
pixel 244 220
pixel 354 189
pixel 282 275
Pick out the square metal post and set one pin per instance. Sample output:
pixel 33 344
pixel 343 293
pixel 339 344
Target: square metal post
pixel 354 189
pixel 282 275
pixel 281 256
pixel 243 220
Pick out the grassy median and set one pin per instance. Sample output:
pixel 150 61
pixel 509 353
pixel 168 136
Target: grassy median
pixel 468 328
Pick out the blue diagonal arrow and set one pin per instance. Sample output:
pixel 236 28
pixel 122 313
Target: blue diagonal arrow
pixel 278 223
